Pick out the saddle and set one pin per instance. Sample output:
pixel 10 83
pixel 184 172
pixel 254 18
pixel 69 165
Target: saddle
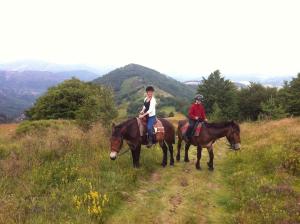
pixel 142 123
pixel 196 130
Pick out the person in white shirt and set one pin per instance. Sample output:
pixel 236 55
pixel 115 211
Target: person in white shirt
pixel 149 111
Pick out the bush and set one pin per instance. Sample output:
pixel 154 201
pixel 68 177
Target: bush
pixel 74 99
pixel 171 114
pixel 30 127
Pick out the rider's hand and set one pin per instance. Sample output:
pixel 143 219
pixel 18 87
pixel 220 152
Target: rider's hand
pixel 196 118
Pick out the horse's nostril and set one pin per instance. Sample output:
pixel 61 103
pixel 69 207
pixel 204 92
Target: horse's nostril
pixel 112 158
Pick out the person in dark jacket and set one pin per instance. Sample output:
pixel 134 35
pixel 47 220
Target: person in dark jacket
pixel 196 114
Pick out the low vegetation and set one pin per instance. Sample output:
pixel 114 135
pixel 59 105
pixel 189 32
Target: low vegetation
pixel 54 172
pixel 262 181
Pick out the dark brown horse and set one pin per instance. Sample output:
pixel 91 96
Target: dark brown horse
pixel 210 132
pixel 129 131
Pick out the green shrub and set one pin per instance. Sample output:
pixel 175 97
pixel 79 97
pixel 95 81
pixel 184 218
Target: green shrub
pixel 74 99
pixel 40 126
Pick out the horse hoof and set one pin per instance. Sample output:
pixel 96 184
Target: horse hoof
pixel 186 160
pixel 210 167
pixel 198 167
pixel 172 163
pixel 163 165
pixel 178 158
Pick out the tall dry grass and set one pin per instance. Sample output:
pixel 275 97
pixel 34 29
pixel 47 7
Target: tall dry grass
pixel 263 179
pixel 49 169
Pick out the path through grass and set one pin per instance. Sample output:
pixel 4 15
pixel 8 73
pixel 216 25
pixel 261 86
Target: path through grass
pixel 179 194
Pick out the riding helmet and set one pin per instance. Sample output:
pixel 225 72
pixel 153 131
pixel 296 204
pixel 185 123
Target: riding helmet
pixel 198 97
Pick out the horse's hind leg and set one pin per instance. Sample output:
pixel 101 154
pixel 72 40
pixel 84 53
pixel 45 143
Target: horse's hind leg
pixel 199 153
pixel 170 146
pixel 165 153
pixel 186 152
pixel 210 163
pixel 178 148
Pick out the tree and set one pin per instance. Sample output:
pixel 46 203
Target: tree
pixel 272 110
pixel 289 96
pixel 74 99
pixel 250 100
pixel 220 91
pixel 216 114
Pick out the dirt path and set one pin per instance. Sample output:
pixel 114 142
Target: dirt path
pixel 179 194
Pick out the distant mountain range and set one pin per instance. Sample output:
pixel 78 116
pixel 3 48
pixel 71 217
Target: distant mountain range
pixel 195 83
pixel 129 83
pixel 23 81
pixel 132 78
pixel 19 89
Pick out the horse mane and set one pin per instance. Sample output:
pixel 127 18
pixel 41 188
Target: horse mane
pixel 224 124
pixel 124 123
pixel 118 128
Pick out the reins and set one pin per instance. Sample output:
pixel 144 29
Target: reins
pixel 124 152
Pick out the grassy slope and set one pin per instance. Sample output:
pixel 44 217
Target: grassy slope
pixel 42 172
pixel 262 181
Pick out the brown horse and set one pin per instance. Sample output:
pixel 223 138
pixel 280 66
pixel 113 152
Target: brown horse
pixel 210 132
pixel 129 131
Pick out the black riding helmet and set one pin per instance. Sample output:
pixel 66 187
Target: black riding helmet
pixel 149 88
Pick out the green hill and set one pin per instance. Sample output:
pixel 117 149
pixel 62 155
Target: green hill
pixel 129 83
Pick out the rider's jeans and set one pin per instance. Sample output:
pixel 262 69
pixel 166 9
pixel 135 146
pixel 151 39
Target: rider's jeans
pixel 150 124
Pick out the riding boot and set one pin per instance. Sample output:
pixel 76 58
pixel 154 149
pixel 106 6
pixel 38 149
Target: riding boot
pixel 187 136
pixel 150 141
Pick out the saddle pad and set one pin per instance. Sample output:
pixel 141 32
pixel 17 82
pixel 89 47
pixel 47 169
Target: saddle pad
pixel 142 127
pixel 158 127
pixel 197 130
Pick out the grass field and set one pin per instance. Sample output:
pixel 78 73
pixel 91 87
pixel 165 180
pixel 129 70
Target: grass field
pixel 52 172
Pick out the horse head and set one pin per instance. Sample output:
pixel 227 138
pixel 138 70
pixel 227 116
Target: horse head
pixel 233 136
pixel 116 141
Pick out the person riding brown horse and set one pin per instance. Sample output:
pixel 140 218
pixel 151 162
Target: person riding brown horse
pixel 209 133
pixel 129 131
pixel 196 115
pixel 148 112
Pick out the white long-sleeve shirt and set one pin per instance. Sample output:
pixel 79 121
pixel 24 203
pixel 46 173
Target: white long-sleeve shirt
pixel 152 106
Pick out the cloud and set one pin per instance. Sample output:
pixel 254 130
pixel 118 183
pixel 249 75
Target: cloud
pixel 175 37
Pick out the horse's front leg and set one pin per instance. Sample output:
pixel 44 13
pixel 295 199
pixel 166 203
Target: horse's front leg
pixel 165 153
pixel 211 158
pixel 135 152
pixel 199 153
pixel 186 152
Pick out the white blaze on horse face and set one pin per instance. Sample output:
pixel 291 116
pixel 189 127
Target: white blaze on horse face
pixel 237 146
pixel 113 155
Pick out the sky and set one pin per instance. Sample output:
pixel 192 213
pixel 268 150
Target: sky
pixel 174 37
